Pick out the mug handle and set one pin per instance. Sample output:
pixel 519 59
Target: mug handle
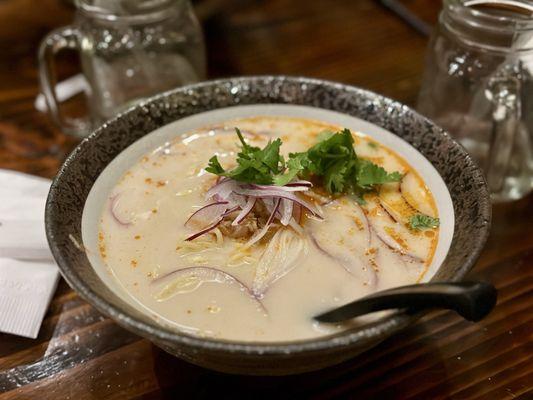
pixel 62 38
pixel 503 91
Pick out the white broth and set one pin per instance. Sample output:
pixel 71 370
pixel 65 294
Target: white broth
pixel 216 285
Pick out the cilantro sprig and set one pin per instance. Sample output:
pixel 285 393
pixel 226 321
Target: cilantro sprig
pixel 254 165
pixel 332 160
pixel 422 221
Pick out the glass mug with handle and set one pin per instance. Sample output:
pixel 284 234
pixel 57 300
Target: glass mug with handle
pixel 478 85
pixel 129 49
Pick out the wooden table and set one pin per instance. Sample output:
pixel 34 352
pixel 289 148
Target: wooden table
pixel 81 354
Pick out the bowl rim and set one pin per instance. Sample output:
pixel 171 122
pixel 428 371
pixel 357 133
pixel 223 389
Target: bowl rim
pixel 367 333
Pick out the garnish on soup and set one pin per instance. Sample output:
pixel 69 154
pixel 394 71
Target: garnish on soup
pixel 421 221
pixel 263 182
pixel 294 217
pixel 333 159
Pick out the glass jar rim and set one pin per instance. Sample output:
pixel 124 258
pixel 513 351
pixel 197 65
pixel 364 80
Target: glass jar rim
pixel 150 10
pixel 488 21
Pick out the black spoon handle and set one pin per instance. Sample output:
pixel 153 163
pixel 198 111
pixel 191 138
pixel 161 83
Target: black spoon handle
pixel 471 300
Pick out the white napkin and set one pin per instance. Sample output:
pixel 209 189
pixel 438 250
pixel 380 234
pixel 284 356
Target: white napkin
pixel 28 275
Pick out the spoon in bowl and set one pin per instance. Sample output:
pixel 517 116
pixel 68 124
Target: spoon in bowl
pixel 472 300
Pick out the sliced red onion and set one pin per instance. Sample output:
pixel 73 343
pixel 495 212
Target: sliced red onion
pixel 347 262
pixel 364 220
pixel 286 188
pixel 408 190
pixel 214 208
pixel 320 248
pixel 264 230
pixel 269 203
pixel 353 256
pixel 205 230
pixel 286 211
pixel 280 201
pixel 112 210
pixel 300 183
pixel 327 253
pixel 258 236
pixel 222 189
pixel 280 256
pixel 250 203
pixel 278 193
pixel 209 274
pixel 389 211
pixel 273 214
pixel 389 241
pixel 272 192
pixel 229 211
pixel 237 200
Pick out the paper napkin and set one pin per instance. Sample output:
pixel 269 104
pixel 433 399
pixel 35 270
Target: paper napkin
pixel 28 275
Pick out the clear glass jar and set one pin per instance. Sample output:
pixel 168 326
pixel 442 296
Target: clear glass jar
pixel 129 49
pixel 478 85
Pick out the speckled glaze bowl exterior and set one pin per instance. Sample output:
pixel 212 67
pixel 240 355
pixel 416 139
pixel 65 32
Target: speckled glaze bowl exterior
pixel 70 188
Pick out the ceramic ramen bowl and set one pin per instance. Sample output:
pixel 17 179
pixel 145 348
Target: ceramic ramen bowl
pixel 72 209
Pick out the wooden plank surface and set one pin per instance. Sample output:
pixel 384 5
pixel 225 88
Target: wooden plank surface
pixel 81 354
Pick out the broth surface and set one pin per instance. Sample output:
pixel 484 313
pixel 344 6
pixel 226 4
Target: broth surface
pixel 354 251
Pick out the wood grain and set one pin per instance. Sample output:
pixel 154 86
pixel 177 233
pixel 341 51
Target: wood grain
pixel 83 355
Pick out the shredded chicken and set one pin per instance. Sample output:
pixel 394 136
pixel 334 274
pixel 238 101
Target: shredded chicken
pixel 245 229
pixel 249 226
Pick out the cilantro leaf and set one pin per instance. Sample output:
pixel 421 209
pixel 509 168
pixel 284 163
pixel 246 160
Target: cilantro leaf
pixel 250 170
pixel 270 155
pixel 369 174
pixel 326 153
pixel 214 166
pixel 246 148
pixel 324 135
pixel 422 221
pixel 294 166
pixel 335 176
pixel 332 159
pixel 254 165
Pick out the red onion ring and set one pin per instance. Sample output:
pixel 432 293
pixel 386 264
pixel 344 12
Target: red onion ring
pixel 233 196
pixel 339 261
pixel 300 183
pixel 390 242
pixel 112 204
pixel 250 203
pixel 204 231
pixel 286 212
pixel 276 193
pixel 216 275
pixel 286 188
pixel 222 189
pixel 217 203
